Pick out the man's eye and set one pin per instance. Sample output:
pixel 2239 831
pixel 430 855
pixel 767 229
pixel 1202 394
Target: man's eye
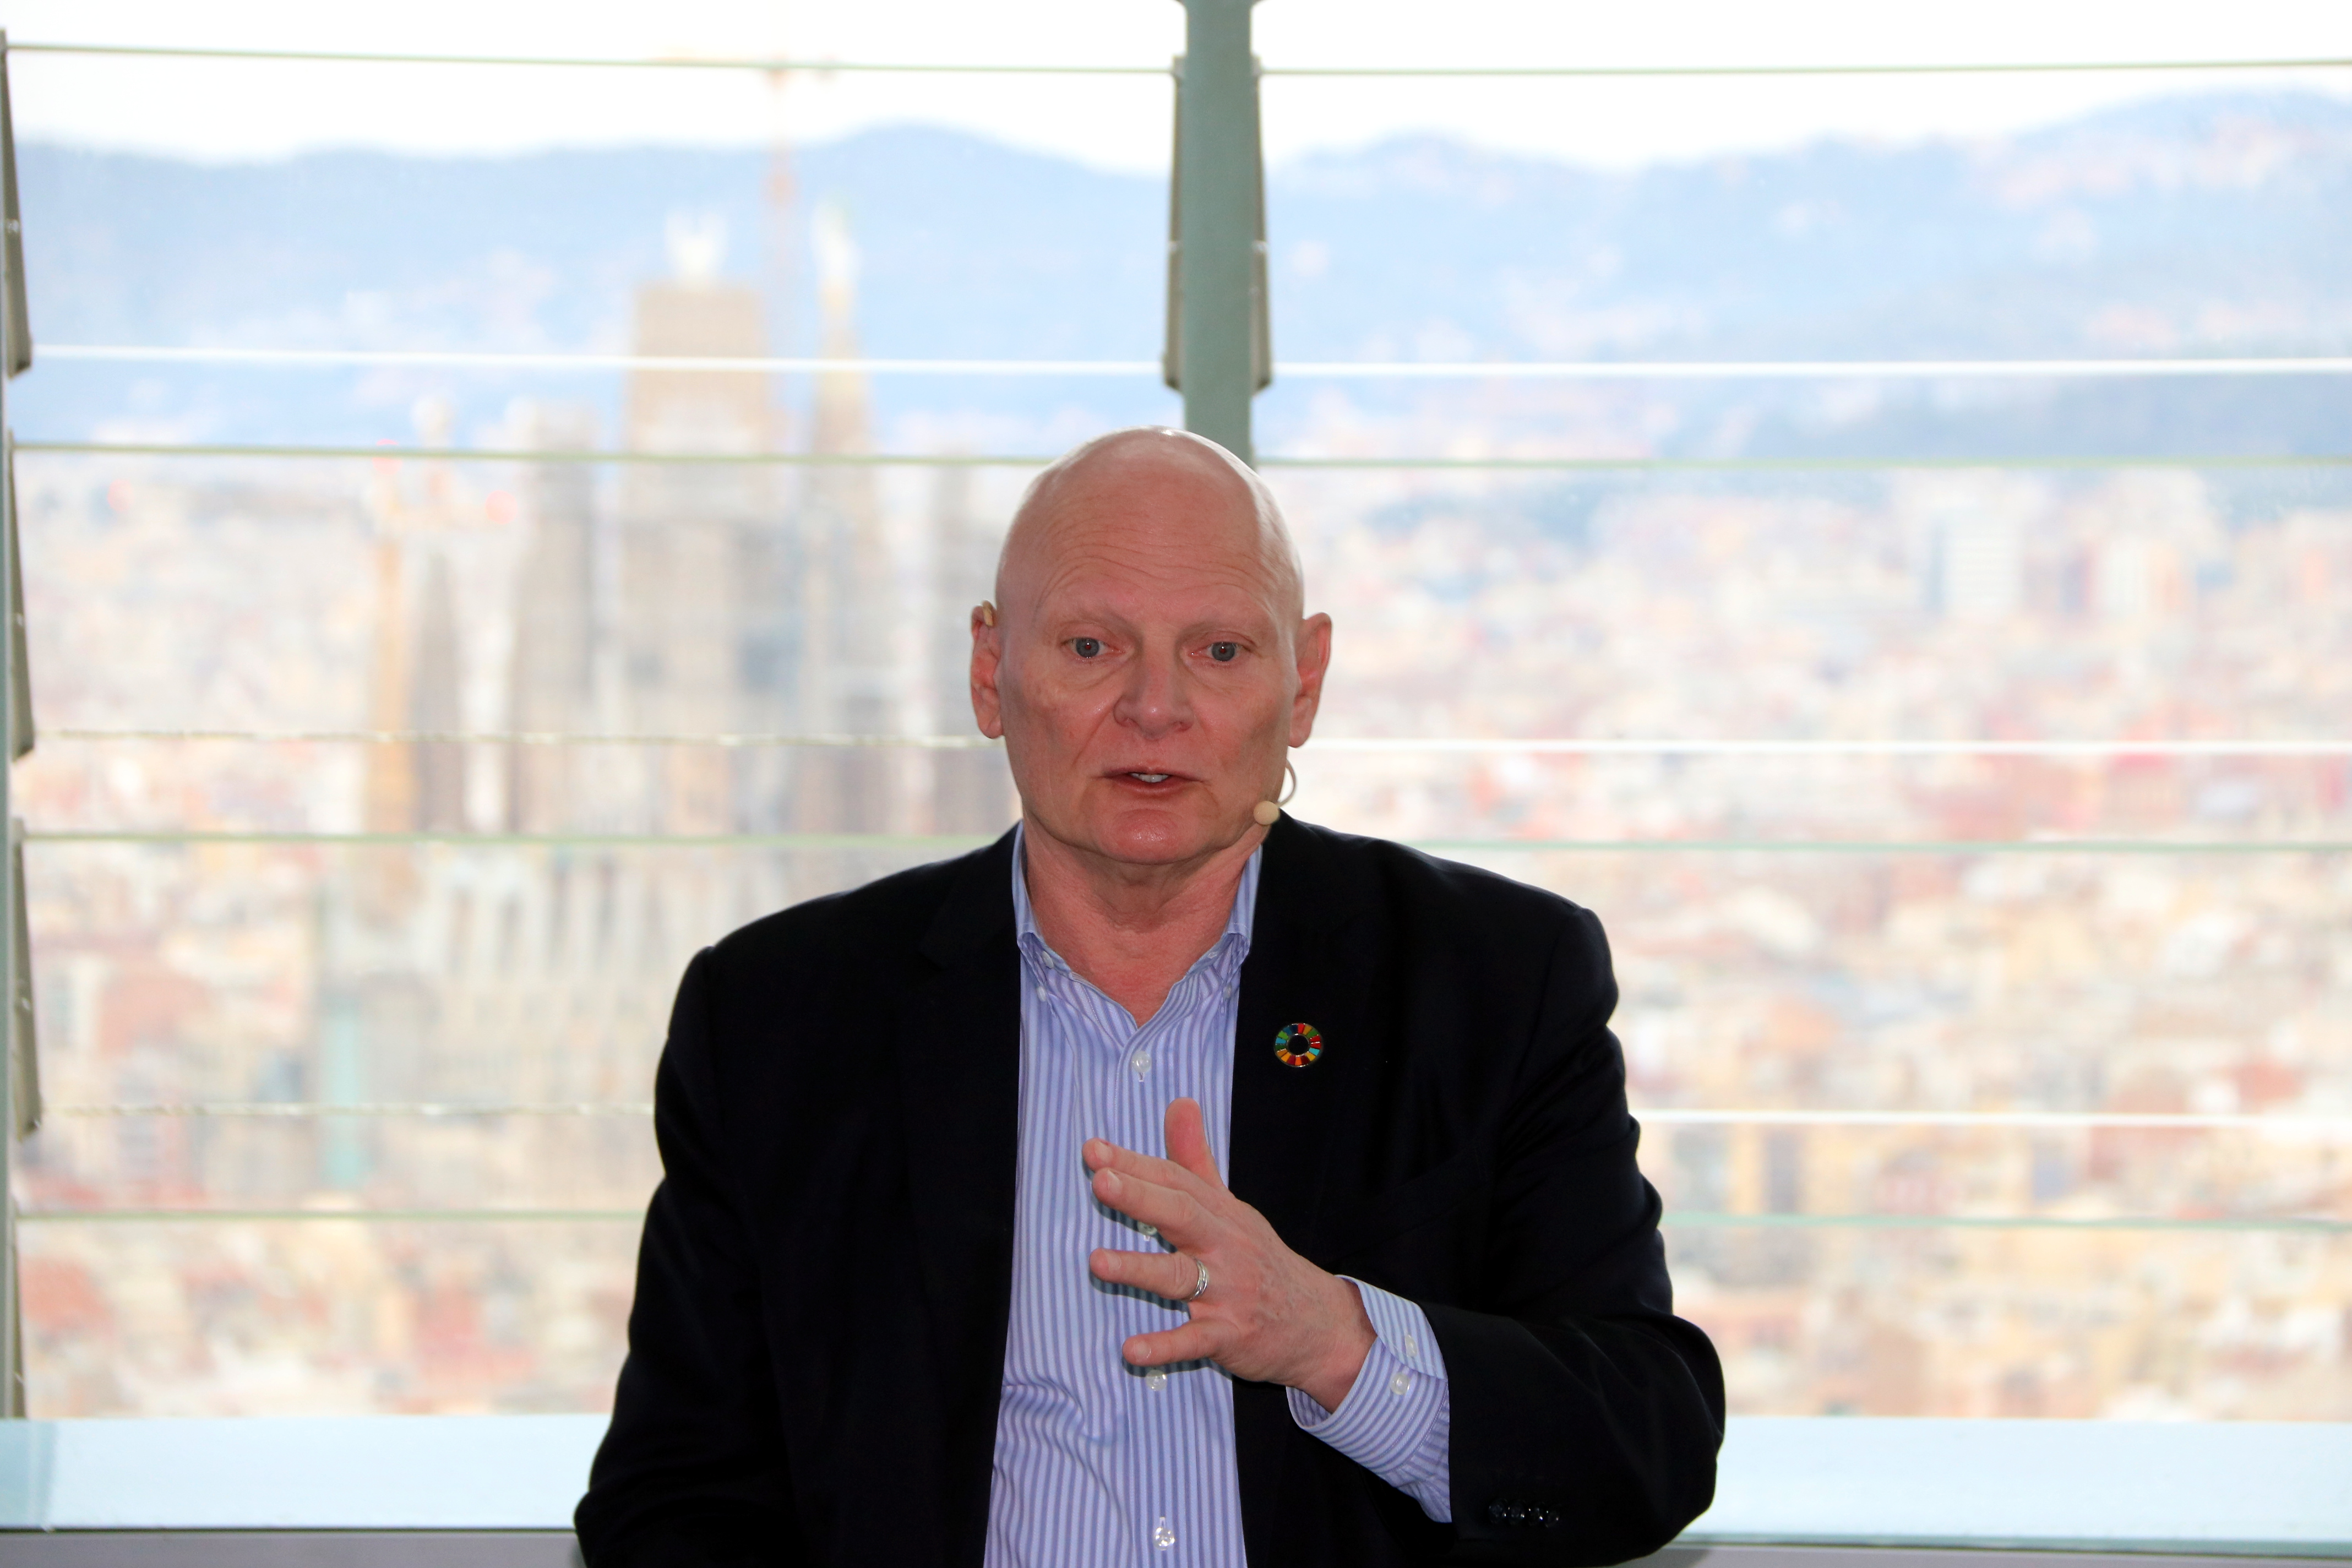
pixel 1087 647
pixel 1224 652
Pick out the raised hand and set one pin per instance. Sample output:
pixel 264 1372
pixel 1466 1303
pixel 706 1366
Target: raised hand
pixel 1268 1315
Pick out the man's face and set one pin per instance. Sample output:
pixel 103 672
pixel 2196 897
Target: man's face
pixel 1148 669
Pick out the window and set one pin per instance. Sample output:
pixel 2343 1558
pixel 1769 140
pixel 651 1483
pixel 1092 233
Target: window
pixel 1884 542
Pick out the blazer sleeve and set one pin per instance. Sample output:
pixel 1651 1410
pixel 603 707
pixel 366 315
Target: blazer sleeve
pixel 1586 1416
pixel 691 1473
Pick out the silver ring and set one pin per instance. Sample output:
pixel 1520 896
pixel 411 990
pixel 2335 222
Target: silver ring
pixel 1202 1289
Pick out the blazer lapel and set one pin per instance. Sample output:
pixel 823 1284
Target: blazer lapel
pixel 958 1061
pixel 1299 971
pixel 1308 963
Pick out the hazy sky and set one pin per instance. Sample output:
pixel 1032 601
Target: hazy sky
pixel 248 110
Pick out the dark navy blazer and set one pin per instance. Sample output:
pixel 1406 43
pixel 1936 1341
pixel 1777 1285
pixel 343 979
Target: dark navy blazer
pixel 818 1338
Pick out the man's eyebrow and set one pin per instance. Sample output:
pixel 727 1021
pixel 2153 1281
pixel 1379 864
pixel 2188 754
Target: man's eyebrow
pixel 1235 627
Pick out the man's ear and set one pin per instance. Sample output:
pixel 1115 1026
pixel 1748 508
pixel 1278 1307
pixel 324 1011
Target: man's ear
pixel 987 656
pixel 1314 661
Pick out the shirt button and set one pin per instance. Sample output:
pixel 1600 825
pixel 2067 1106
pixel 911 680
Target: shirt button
pixel 1141 1061
pixel 1162 1536
pixel 1401 1382
pixel 1155 1380
pixel 1411 1348
pixel 1042 995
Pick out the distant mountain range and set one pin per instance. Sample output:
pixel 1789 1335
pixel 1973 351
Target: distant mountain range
pixel 2209 224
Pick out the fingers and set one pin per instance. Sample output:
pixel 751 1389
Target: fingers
pixel 1195 1340
pixel 1130 1168
pixel 1169 1275
pixel 1174 1215
pixel 1188 1142
pixel 1101 1154
pixel 1188 1150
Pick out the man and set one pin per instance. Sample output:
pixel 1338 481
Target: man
pixel 1170 1183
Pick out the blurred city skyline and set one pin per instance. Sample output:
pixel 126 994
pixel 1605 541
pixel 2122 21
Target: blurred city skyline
pixel 407 988
pixel 2196 225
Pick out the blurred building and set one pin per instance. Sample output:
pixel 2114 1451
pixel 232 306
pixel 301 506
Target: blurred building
pixel 972 791
pixel 706 617
pixel 552 673
pixel 853 680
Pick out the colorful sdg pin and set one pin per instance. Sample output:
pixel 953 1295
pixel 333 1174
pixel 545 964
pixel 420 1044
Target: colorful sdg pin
pixel 1298 1046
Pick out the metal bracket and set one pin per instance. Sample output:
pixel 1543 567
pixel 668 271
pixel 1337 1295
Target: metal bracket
pixel 1171 356
pixel 19 1084
pixel 24 1036
pixel 20 325
pixel 1220 345
pixel 20 668
pixel 23 1099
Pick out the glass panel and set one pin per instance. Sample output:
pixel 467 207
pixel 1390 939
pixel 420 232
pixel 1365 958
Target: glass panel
pixel 323 1317
pixel 897 244
pixel 1788 983
pixel 418 975
pixel 2129 1325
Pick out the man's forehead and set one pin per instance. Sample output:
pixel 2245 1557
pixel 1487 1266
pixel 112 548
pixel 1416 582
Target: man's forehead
pixel 1106 572
pixel 1151 539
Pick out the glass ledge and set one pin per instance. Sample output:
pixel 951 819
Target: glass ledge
pixel 2270 1488
pixel 2237 1487
pixel 361 1472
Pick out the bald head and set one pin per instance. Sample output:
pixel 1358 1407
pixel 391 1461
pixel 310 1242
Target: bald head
pixel 1128 480
pixel 1150 661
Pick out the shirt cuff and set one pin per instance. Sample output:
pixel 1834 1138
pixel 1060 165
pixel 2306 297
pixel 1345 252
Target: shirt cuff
pixel 1397 1421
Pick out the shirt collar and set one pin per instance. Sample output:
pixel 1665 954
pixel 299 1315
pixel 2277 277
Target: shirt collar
pixel 1238 923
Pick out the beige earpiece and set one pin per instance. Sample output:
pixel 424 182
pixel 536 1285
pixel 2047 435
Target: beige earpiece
pixel 987 613
pixel 1267 811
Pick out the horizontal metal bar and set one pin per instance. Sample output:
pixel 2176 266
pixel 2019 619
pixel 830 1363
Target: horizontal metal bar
pixel 385 451
pixel 1543 370
pixel 347 1216
pixel 1777 370
pixel 776 63
pixel 1806 465
pixel 1459 845
pixel 700 364
pixel 305 1110
pixel 389 452
pixel 1960 1121
pixel 1770 748
pixel 2028 1121
pixel 716 62
pixel 1673 1219
pixel 2292 1224
pixel 1888 847
pixel 1469 745
pixel 532 738
pixel 858 841
pixel 1922 68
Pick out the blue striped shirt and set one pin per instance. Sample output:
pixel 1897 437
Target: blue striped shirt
pixel 1098 1461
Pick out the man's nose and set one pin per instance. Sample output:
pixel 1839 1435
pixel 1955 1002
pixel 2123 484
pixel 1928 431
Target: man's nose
pixel 1157 698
